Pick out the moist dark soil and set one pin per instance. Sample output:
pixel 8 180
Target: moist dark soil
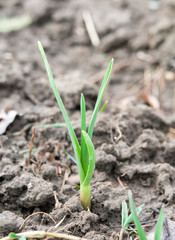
pixel 134 137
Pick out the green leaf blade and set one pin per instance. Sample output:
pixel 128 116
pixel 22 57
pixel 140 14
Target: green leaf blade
pixel 159 226
pixel 91 153
pixel 124 213
pixel 99 99
pixel 52 125
pixel 104 106
pixel 71 158
pixel 130 218
pixel 139 228
pixel 84 152
pixel 73 137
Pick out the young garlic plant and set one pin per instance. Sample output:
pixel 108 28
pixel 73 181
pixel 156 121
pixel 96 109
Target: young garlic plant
pixel 84 152
pixel 140 231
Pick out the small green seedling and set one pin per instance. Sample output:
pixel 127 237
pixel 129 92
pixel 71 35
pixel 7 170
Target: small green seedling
pixel 84 152
pixel 140 231
pixel 14 236
pixel 126 218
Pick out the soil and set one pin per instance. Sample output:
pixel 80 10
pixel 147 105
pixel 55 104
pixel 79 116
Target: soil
pixel 133 137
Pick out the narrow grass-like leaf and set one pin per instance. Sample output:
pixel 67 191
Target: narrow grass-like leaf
pixel 130 218
pixel 139 228
pixel 52 125
pixel 99 99
pixel 91 153
pixel 159 226
pixel 72 158
pixel 124 213
pixel 104 106
pixel 84 152
pixel 73 137
pixel 28 150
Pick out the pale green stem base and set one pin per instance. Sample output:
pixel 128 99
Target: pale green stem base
pixel 121 234
pixel 85 196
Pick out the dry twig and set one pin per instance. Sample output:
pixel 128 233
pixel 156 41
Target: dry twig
pixel 43 234
pixel 57 203
pixel 91 28
pixel 31 146
pixel 115 139
pixel 59 223
pixel 22 225
pixel 66 175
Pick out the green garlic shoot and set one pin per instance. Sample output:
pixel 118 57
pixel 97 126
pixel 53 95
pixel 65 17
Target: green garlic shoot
pixel 84 152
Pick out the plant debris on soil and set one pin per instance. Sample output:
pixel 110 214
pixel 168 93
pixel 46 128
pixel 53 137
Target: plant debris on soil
pixel 134 136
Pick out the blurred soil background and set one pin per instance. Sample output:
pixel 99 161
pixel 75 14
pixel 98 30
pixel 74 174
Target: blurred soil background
pixel 134 137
